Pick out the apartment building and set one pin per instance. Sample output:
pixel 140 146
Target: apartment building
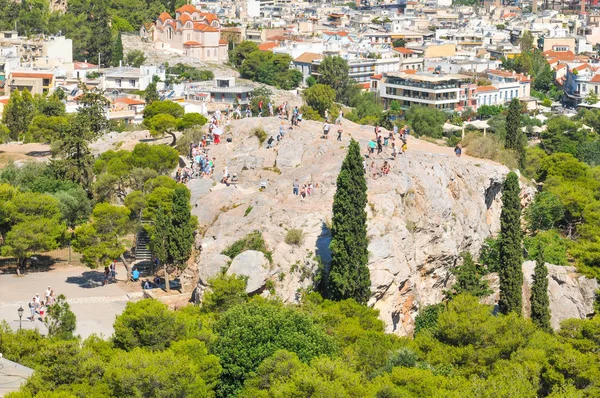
pixel 444 92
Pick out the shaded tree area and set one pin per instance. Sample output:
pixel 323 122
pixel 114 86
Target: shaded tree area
pixel 253 347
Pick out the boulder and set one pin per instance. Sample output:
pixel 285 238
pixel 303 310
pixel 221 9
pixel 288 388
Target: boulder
pixel 211 265
pixel 254 265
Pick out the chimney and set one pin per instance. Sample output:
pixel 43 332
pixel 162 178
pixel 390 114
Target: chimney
pixel 534 6
pixel 582 6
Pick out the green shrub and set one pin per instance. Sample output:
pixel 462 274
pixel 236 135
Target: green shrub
pixel 248 210
pixel 555 247
pixel 253 241
pixel 294 237
pixel 309 113
pixel 428 317
pixel 260 134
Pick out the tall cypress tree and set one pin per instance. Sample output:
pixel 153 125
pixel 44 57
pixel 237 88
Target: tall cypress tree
pixel 181 238
pixel 510 250
pixel 173 235
pixel 117 51
pixel 540 311
pixel 12 116
pixel 515 138
pixel 349 276
pixel 100 44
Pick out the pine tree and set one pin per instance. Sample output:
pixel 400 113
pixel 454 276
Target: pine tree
pixel 510 250
pixel 468 279
pixel 515 138
pixel 117 51
pixel 540 311
pixel 348 275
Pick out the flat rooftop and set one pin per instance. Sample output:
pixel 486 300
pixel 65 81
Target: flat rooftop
pixel 429 77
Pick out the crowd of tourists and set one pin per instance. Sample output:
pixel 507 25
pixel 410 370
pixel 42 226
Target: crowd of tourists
pixel 38 307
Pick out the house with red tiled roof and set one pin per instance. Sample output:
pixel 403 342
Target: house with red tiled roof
pixel 579 82
pixel 268 46
pixel 37 82
pixel 304 64
pixel 510 85
pixel 409 59
pixel 190 32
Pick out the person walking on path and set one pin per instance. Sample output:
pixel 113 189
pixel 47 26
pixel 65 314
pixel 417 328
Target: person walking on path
pixel 458 150
pixel 296 186
pixel 113 271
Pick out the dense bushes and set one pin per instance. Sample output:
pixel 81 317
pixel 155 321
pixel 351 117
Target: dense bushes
pixel 489 147
pixel 261 348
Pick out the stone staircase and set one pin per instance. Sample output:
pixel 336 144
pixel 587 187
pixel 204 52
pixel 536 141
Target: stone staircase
pixel 143 256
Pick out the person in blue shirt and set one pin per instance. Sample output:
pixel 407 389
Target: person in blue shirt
pixel 135 275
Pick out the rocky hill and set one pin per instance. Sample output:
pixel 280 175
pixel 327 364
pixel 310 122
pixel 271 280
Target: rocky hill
pixel 430 208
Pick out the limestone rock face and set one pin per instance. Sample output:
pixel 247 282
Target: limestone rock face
pixel 254 265
pixel 430 208
pixel 571 294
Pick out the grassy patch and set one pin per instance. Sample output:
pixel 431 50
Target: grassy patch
pixel 294 237
pixel 253 241
pixel 260 134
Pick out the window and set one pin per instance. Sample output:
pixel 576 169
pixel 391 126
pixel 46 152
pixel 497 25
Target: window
pixel 118 82
pixel 132 82
pixel 46 82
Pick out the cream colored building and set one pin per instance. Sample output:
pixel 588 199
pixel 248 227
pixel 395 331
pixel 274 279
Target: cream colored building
pixel 192 33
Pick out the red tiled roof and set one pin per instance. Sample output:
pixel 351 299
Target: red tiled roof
pixel 307 58
pixel 201 26
pixel 192 44
pixel 486 88
pixel 130 101
pixel 4 101
pixel 184 18
pixel 560 55
pixel 377 77
pixel 186 8
pixel 164 16
pixel 411 71
pixel 223 41
pixel 33 75
pixel 595 79
pixel 209 16
pixel 331 33
pixel 268 46
pixel 365 85
pixel 403 50
pixel 561 66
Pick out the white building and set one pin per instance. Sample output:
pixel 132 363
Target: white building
pixel 130 79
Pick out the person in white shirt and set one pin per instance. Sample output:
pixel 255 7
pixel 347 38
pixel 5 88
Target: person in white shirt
pixel 47 293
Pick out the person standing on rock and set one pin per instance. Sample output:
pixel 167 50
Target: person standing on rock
pixel 260 106
pixel 379 145
pixel 296 186
pixel 270 108
pixel 339 137
pixel 373 170
pixel 326 115
pixel 287 110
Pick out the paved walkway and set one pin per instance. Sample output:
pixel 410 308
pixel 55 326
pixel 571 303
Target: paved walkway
pixel 94 305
